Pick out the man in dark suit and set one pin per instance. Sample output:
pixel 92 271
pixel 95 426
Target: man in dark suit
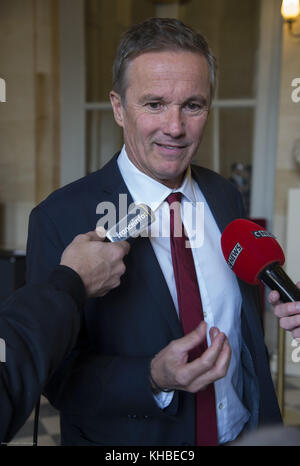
pixel 130 380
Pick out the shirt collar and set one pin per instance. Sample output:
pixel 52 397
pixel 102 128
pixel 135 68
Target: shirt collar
pixel 145 189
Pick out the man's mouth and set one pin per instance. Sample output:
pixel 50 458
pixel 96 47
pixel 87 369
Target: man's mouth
pixel 174 147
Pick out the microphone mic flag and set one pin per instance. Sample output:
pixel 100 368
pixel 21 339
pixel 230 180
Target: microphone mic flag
pixel 254 255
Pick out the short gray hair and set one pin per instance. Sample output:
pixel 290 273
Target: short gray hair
pixel 157 35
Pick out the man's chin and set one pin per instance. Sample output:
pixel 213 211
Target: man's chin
pixel 172 179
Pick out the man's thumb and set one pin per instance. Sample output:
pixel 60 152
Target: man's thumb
pixel 194 338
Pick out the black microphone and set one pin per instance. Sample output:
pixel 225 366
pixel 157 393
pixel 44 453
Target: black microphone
pixel 138 218
pixel 275 278
pixel 254 255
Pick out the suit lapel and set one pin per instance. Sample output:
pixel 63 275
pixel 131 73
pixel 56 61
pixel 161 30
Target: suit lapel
pixel 153 278
pixel 144 257
pixel 225 212
pixel 222 211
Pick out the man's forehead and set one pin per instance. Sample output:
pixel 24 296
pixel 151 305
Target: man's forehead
pixel 157 60
pixel 152 71
pixel 153 65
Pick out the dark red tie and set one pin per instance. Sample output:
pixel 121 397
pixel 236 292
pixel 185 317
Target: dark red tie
pixel 191 314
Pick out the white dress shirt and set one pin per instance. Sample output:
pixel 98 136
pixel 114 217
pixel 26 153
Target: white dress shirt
pixel 220 294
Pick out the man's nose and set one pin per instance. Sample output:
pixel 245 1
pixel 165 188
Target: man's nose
pixel 174 124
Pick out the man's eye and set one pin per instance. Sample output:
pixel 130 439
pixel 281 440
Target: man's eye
pixel 193 107
pixel 154 105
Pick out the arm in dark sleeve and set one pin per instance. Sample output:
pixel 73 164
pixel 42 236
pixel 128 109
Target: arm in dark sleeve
pixel 44 246
pixel 39 325
pixel 109 386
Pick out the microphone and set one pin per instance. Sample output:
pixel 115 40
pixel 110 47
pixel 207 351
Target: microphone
pixel 139 217
pixel 255 255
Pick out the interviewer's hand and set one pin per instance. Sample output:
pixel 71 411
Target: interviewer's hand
pixel 171 370
pixel 288 313
pixel 100 265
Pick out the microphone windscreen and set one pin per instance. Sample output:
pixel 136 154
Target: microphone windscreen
pixel 248 249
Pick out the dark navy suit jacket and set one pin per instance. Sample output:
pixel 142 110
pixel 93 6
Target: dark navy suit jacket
pixel 102 390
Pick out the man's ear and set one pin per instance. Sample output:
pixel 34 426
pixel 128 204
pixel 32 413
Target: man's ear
pixel 117 106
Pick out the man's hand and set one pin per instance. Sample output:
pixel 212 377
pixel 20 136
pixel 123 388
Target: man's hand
pixel 171 370
pixel 100 265
pixel 288 313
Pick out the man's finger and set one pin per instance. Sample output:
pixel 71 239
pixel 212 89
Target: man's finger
pixel 88 236
pixel 192 339
pixel 208 359
pixel 274 297
pixel 100 232
pixel 290 323
pixel 204 363
pixel 99 235
pixel 217 371
pixel 213 332
pixel 124 245
pixel 287 309
pixel 94 236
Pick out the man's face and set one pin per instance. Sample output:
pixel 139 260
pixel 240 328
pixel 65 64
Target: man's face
pixel 164 113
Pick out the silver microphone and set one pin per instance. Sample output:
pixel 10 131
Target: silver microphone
pixel 138 218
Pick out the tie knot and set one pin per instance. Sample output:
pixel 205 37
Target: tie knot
pixel 174 197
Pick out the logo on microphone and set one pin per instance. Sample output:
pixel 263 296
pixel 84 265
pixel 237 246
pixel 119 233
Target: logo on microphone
pixel 262 234
pixel 236 251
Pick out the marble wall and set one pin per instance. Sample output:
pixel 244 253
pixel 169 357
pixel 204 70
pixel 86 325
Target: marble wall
pixel 29 119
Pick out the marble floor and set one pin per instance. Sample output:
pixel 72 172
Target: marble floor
pixel 49 430
pixel 291 411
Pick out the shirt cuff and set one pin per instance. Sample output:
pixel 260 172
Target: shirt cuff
pixel 163 399
pixel 66 279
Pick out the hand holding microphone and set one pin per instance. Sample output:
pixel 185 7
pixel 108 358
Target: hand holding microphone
pixel 288 313
pixel 97 256
pixel 99 265
pixel 254 255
